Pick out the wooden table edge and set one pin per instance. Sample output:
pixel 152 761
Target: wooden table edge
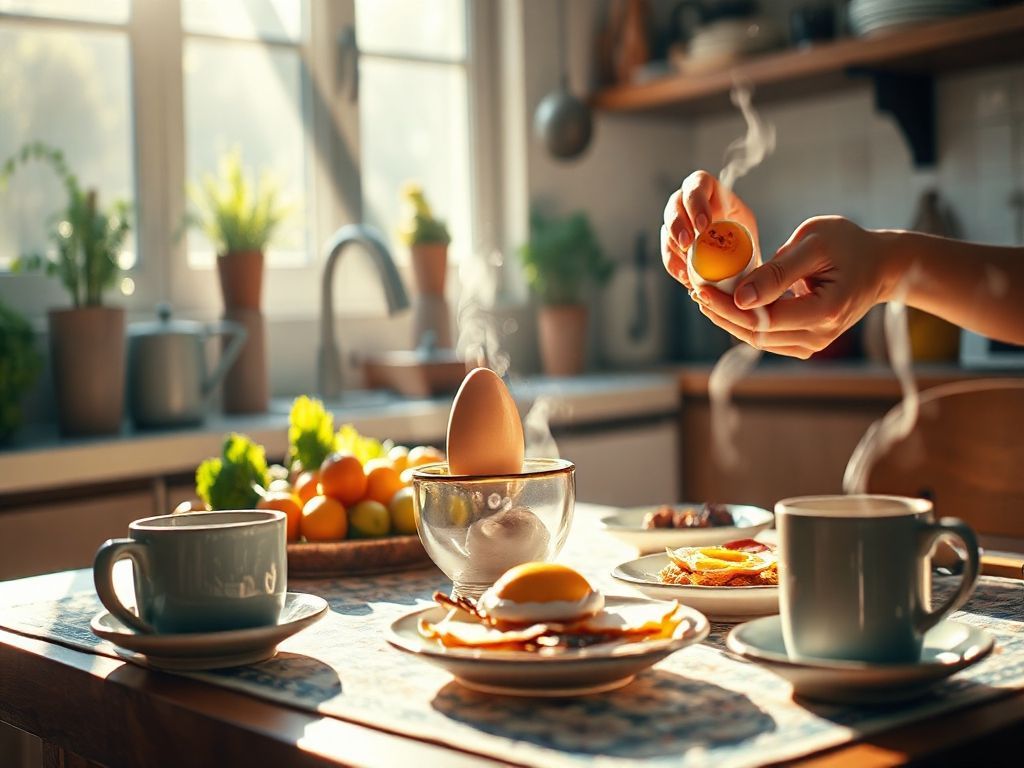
pixel 199 720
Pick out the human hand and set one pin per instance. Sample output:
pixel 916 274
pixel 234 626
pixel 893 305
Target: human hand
pixel 698 202
pixel 822 281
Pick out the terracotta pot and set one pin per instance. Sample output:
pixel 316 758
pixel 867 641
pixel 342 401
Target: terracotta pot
pixel 429 265
pixel 246 386
pixel 563 339
pixel 241 279
pixel 87 348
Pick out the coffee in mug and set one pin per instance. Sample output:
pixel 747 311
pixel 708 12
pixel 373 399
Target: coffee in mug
pixel 855 576
pixel 199 572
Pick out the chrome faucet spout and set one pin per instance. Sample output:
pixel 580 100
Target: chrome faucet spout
pixel 329 357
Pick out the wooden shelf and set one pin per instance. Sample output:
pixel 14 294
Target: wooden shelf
pixel 990 37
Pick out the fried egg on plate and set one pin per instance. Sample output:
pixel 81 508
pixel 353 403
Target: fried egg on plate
pixel 540 592
pixel 721 560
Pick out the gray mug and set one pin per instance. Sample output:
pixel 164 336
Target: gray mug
pixel 855 575
pixel 199 572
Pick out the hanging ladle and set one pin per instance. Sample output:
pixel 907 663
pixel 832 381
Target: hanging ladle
pixel 562 121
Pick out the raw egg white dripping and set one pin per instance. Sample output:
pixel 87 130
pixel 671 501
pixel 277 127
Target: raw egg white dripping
pixel 539 592
pixel 485 434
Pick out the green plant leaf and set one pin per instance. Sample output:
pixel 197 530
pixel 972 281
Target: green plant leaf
pixel 348 440
pixel 231 481
pixel 310 433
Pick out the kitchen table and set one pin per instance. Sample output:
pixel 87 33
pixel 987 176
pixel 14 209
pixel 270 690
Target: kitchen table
pixel 337 694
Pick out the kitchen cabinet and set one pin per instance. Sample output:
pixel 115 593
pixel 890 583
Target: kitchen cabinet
pixel 64 533
pixel 625 465
pixel 901 63
pixel 798 425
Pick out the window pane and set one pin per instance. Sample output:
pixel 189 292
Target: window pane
pixel 111 11
pixel 247 19
pixel 414 127
pixel 419 27
pixel 70 90
pixel 249 97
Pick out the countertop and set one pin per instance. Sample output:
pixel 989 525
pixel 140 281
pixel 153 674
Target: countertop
pixel 40 459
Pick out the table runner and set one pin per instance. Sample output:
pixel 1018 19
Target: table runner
pixel 698 706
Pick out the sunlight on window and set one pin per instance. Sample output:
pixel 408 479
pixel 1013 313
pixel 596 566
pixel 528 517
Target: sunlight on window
pixel 251 97
pixel 435 28
pixel 280 20
pixel 70 90
pixel 414 113
pixel 111 11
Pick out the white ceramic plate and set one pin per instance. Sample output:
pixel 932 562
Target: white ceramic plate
pixel 211 650
pixel 627 526
pixel 575 672
pixel 717 603
pixel 948 648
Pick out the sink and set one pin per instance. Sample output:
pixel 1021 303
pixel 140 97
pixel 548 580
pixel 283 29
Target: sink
pixel 350 400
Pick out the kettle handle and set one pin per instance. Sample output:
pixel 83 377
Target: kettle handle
pixel 238 335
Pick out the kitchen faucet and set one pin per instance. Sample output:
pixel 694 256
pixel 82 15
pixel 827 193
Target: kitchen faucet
pixel 329 357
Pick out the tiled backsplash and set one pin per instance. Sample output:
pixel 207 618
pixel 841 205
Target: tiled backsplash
pixel 837 155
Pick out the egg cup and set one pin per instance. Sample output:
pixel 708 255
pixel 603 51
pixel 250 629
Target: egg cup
pixel 476 527
pixel 726 284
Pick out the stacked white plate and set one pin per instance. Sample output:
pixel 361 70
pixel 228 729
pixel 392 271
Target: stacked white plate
pixel 867 16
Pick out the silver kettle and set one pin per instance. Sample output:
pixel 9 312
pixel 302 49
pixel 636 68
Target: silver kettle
pixel 168 385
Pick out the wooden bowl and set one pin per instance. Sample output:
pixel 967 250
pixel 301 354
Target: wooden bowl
pixel 312 560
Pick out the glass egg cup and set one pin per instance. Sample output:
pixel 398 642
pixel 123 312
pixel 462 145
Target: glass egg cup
pixel 476 527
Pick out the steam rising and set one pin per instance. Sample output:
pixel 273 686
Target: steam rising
pixel 741 156
pixel 479 341
pixel 536 426
pixel 898 422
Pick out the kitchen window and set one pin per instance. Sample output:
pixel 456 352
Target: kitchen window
pixel 145 96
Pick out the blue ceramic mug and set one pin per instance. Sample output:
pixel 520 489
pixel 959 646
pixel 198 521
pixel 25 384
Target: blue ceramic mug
pixel 855 576
pixel 200 571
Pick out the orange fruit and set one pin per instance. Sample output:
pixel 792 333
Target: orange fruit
pixel 342 478
pixel 424 454
pixel 382 483
pixel 399 457
pixel 323 519
pixel 722 250
pixel 289 504
pixel 306 485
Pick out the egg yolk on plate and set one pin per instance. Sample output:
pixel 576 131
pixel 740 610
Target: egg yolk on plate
pixel 705 559
pixel 534 592
pixel 722 250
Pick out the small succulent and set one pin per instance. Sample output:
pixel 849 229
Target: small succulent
pixel 420 227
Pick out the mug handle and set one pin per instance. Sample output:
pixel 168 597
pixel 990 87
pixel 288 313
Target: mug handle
pixel 927 536
pixel 109 553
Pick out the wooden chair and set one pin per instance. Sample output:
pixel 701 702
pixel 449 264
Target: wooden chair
pixel 966 454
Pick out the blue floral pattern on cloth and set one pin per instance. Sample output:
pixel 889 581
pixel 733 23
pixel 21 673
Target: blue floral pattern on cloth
pixel 699 706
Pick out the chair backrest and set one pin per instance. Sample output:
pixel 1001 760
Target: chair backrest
pixel 965 453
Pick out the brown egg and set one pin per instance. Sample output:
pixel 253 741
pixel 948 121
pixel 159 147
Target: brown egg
pixel 485 434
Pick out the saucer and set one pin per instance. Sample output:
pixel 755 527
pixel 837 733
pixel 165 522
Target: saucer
pixel 575 672
pixel 725 604
pixel 211 650
pixel 948 647
pixel 627 526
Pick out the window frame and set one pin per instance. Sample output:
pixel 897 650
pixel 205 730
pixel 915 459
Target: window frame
pixel 156 37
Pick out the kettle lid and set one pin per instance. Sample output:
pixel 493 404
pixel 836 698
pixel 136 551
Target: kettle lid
pixel 165 325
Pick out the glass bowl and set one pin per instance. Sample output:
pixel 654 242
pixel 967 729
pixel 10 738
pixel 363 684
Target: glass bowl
pixel 475 528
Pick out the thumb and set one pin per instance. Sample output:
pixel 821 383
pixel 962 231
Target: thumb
pixel 792 262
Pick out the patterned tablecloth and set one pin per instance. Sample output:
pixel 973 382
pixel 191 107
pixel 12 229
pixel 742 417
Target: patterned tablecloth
pixel 700 706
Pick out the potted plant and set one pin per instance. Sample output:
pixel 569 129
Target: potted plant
pixel 561 259
pixel 427 238
pixel 19 367
pixel 86 341
pixel 240 217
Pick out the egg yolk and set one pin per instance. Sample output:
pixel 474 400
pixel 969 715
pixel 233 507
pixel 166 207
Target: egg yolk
pixel 722 250
pixel 541 583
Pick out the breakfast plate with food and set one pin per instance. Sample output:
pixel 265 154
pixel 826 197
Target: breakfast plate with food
pixel 652 529
pixel 542 630
pixel 734 581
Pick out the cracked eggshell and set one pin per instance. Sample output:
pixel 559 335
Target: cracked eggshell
pixel 724 284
